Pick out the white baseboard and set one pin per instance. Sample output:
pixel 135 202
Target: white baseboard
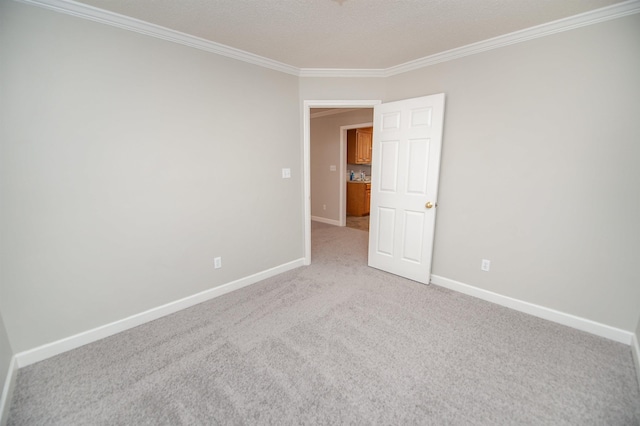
pixel 7 391
pixel 635 350
pixel 569 320
pixel 325 220
pixel 51 349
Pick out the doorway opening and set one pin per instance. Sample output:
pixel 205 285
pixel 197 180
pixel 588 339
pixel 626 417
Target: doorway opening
pixel 307 106
pixel 356 142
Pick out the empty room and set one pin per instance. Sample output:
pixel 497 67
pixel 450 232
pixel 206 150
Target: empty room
pixel 173 201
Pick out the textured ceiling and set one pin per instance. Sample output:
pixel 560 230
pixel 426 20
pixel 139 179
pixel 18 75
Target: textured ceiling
pixel 347 34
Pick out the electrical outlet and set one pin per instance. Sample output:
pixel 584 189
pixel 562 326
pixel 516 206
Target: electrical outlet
pixel 217 263
pixel 324 207
pixel 332 168
pixel 286 173
pixel 485 265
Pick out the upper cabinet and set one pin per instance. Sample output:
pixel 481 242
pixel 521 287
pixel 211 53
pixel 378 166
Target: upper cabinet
pixel 359 143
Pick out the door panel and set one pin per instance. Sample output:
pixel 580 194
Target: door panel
pixel 416 172
pixel 390 121
pixel 388 166
pixel 386 226
pixel 413 225
pixel 407 141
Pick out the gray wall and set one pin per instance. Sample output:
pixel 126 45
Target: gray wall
pixel 6 353
pixel 336 88
pixel 325 151
pixel 119 177
pixel 119 160
pixel 539 169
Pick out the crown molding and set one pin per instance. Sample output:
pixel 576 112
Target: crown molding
pixel 615 11
pixel 341 72
pixel 581 20
pixel 84 11
pixel 91 13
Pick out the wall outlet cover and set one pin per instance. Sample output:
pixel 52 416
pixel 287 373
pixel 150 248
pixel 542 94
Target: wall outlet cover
pixel 485 265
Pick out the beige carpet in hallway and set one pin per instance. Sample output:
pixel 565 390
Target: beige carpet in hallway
pixel 358 222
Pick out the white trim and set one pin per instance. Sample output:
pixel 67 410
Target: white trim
pixel 569 320
pixel 102 16
pixel 306 156
pixel 95 14
pixel 342 72
pixel 51 349
pixel 332 112
pixel 7 391
pixel 325 220
pixel 588 18
pixel 342 177
pixel 635 351
pixel 306 179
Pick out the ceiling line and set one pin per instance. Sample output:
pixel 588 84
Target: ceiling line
pixel 102 16
pixel 95 14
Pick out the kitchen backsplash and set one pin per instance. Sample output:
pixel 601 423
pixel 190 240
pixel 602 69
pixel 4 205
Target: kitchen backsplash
pixel 357 168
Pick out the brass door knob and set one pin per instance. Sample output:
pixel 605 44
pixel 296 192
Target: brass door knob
pixel 428 205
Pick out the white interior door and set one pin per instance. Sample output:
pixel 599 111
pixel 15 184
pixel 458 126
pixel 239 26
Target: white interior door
pixel 407 141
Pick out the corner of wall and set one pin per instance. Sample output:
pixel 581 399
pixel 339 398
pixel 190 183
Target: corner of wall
pixel 40 353
pixel 325 220
pixel 7 391
pixel 579 323
pixel 635 350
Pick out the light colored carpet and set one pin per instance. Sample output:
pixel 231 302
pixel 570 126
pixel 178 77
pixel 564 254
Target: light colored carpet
pixel 336 343
pixel 358 222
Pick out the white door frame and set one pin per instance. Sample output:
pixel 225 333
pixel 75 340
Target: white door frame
pixel 306 153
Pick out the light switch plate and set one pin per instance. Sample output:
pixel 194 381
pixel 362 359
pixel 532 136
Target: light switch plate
pixel 286 173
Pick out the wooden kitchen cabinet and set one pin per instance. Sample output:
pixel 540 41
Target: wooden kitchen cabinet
pixel 358 198
pixel 359 144
pixel 367 199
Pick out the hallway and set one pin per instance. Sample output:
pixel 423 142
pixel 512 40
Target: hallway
pixel 358 222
